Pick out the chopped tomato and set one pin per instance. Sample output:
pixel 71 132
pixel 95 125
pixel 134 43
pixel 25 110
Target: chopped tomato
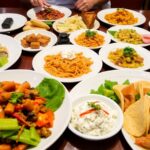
pixel 45 119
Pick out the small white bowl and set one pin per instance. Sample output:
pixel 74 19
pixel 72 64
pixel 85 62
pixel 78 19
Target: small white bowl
pixel 108 102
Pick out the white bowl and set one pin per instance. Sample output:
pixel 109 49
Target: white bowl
pixel 108 102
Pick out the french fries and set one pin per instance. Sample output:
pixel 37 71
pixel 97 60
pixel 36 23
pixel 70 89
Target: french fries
pixel 35 24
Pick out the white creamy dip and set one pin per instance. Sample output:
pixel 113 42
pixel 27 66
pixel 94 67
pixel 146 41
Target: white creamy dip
pixel 90 121
pixel 68 55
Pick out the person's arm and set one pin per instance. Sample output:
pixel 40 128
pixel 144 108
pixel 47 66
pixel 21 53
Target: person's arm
pixel 85 5
pixel 41 3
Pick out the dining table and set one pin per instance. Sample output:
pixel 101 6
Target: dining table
pixel 68 140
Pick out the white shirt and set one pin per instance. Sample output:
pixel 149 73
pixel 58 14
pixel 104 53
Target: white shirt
pixel 70 3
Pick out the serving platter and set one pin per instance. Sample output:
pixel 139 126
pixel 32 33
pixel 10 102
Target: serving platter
pixel 18 21
pixel 96 25
pixel 139 30
pixel 38 61
pixel 144 53
pixel 101 16
pixel 13 48
pixel 85 86
pixel 31 13
pixel 52 36
pixel 62 116
pixel 75 34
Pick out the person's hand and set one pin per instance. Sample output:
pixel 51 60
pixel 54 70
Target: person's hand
pixel 42 3
pixel 85 5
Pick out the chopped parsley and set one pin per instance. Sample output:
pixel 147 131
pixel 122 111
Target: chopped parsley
pixel 90 33
pixel 95 106
pixel 128 52
pixel 16 97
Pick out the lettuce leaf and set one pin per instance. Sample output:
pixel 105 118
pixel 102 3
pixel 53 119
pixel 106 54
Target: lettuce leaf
pixel 52 91
pixel 112 32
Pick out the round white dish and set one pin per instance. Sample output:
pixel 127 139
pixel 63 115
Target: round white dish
pixel 13 48
pixel 18 21
pixel 62 116
pixel 53 39
pixel 31 13
pixel 117 124
pixel 38 61
pixel 75 34
pixel 104 52
pixel 138 30
pixel 96 25
pixel 101 16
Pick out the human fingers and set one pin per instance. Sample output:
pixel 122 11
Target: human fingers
pixel 37 2
pixel 83 8
pixel 34 3
pixel 80 3
pixel 46 3
pixel 83 5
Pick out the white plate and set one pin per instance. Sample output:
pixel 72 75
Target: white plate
pixel 31 13
pixel 104 52
pixel 18 21
pixel 138 30
pixel 53 39
pixel 85 86
pixel 13 48
pixel 75 34
pixel 38 61
pixel 101 16
pixel 96 25
pixel 62 117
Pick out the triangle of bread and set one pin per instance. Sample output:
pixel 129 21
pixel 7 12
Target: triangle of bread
pixel 89 18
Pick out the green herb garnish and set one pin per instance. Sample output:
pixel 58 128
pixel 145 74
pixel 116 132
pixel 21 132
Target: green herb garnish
pixel 90 33
pixel 49 23
pixel 48 9
pixel 120 9
pixel 127 82
pixel 16 97
pixel 137 96
pixel 128 51
pixel 93 105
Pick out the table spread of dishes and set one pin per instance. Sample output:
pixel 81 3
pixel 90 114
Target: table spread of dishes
pixel 35 105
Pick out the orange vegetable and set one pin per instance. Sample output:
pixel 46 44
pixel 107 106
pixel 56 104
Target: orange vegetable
pixel 5 147
pixel 87 112
pixel 45 119
pixel 2 114
pixel 9 109
pixel 8 85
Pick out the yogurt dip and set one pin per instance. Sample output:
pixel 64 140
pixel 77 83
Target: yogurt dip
pixel 93 118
